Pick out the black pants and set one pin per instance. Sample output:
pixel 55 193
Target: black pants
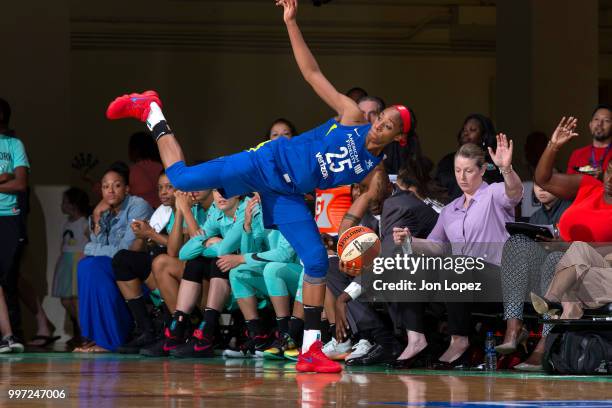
pixel 12 240
pixel 361 315
pixel 459 306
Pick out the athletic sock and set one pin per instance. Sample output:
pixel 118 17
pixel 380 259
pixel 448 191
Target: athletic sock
pixel 331 330
pixel 156 122
pixel 138 307
pixel 254 326
pixel 210 322
pixel 296 329
pixel 178 324
pixel 283 324
pixel 325 333
pixel 312 326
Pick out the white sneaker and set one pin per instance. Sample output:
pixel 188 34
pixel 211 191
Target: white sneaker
pixel 360 349
pixel 337 351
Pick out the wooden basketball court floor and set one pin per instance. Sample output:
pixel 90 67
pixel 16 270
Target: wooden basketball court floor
pixel 112 380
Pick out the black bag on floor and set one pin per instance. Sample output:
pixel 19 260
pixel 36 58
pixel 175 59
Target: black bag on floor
pixel 578 352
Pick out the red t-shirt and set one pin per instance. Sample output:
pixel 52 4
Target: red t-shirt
pixel 582 157
pixel 589 218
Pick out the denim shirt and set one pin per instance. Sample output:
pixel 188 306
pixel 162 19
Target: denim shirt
pixel 115 232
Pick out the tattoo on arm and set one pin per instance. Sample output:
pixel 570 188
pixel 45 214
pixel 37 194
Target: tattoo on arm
pixel 352 218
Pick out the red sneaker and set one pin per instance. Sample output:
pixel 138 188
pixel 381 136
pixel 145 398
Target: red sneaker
pixel 132 106
pixel 315 361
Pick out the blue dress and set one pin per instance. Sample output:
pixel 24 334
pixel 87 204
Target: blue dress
pixel 103 313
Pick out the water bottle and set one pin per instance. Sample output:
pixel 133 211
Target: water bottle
pixel 490 355
pixel 407 246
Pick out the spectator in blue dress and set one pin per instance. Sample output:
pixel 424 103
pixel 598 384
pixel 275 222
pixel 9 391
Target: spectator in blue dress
pixel 104 317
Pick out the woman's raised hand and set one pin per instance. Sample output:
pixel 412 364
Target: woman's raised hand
pixel 502 157
pixel 564 131
pixel 290 9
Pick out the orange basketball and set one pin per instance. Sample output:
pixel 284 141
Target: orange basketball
pixel 358 246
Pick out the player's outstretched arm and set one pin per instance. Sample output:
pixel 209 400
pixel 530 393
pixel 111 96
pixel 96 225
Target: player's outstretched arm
pixel 345 107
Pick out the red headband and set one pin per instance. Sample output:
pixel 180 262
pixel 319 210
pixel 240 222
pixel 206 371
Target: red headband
pixel 406 118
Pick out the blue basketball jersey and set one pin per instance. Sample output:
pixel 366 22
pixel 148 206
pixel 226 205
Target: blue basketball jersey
pixel 327 156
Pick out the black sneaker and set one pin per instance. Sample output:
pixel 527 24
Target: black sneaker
pixel 199 345
pixel 133 347
pixel 10 344
pixel 163 346
pixel 254 347
pixel 277 349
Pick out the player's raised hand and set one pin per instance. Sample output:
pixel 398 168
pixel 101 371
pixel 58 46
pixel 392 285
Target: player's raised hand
pixel 290 9
pixel 502 157
pixel 564 131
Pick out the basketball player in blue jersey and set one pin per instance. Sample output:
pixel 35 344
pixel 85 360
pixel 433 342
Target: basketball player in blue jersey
pixel 339 152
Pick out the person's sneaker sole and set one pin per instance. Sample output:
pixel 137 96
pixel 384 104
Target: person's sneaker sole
pixel 272 356
pixel 292 357
pixel 17 348
pixel 150 353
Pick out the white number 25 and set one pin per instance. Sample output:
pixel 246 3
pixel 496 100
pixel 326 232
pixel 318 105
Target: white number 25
pixel 339 166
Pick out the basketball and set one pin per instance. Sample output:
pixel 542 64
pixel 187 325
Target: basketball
pixel 358 246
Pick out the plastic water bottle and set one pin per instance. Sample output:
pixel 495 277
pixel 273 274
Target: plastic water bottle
pixel 490 355
pixel 407 246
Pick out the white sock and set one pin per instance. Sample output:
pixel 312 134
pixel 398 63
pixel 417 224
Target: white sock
pixel 310 336
pixel 155 116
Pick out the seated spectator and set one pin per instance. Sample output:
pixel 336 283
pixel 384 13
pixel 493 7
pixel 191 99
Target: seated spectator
pixel 75 235
pixel 593 159
pixel 145 168
pixel 371 106
pixel 281 128
pixel 583 280
pixel 474 225
pixel 525 266
pixel 426 190
pixel 222 235
pixel 479 130
pixel 133 268
pixel 105 319
pixel 587 219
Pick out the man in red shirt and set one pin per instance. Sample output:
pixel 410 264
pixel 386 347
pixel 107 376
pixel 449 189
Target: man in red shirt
pixel 594 158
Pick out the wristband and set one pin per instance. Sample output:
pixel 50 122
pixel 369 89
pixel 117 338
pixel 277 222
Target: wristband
pixel 354 290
